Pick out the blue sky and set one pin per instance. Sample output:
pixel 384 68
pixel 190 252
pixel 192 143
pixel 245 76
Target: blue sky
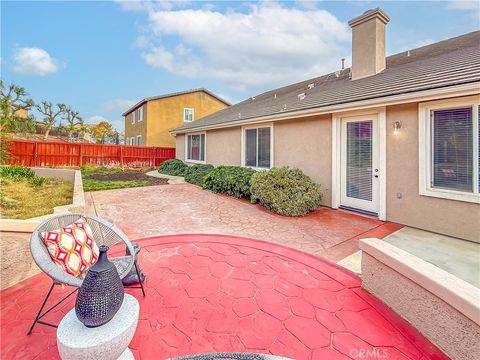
pixel 101 57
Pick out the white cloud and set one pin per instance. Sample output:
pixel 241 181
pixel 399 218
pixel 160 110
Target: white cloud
pixel 95 119
pixel 464 5
pixel 142 5
pixel 119 105
pixel 34 61
pixel 268 45
pixel 424 42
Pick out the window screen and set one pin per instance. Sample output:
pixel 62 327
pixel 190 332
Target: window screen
pixel 452 144
pixel 196 147
pixel 257 147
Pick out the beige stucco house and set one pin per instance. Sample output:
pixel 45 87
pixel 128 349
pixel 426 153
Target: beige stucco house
pixel 148 122
pixel 396 137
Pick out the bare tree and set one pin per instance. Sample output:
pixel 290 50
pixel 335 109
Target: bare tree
pixel 52 115
pixel 14 107
pixel 74 123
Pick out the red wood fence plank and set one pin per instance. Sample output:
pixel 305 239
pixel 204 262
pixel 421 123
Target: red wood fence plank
pixel 44 153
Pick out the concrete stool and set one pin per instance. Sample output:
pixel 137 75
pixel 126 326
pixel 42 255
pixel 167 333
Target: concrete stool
pixel 107 342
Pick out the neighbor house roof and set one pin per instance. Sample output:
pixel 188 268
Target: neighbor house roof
pixel 143 101
pixel 446 63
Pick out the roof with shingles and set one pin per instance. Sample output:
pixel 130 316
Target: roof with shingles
pixel 446 63
pixel 143 101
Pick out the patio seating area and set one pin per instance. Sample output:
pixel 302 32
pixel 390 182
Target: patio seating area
pixel 215 293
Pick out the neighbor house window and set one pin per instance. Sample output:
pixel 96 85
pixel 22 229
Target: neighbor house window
pixel 196 147
pixel 257 147
pixel 132 140
pixel 188 114
pixel 133 117
pixel 139 140
pixel 449 132
pixel 140 114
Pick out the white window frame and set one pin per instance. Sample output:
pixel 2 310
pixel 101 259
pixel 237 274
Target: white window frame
pixel 425 141
pixel 187 160
pixel 132 141
pixel 133 117
pixel 140 113
pixel 139 143
pixel 185 113
pixel 243 147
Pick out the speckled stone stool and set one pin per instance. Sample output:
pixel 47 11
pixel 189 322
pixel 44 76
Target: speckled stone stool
pixel 108 342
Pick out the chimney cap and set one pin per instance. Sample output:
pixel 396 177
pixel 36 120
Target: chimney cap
pixel 368 15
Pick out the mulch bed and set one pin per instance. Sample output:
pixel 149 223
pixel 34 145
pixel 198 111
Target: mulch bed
pixel 127 176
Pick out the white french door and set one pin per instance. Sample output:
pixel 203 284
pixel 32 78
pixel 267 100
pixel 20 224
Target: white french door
pixel 359 162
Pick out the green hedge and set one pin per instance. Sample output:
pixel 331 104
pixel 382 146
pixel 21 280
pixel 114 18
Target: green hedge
pixel 173 167
pixel 231 180
pixel 197 172
pixel 285 191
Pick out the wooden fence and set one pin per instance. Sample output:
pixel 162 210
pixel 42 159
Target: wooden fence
pixel 36 153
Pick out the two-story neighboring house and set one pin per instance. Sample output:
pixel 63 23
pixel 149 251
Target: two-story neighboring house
pixel 148 122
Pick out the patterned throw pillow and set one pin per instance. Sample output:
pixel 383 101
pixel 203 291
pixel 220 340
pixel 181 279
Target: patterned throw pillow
pixel 72 247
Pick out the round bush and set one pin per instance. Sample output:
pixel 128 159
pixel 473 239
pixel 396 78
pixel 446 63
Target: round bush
pixel 196 173
pixel 285 191
pixel 173 167
pixel 231 180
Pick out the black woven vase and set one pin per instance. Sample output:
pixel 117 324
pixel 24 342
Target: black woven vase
pixel 101 293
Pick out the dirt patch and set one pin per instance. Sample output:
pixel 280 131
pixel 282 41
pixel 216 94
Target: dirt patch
pixel 127 176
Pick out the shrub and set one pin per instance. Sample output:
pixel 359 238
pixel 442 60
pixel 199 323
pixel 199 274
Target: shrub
pixel 17 172
pixel 231 180
pixel 286 191
pixel 197 172
pixel 173 167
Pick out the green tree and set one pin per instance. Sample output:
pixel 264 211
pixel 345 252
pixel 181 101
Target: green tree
pixel 52 115
pixel 102 131
pixel 14 108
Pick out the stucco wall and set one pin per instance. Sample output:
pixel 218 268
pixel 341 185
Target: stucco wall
pixel 446 327
pixel 180 147
pixel 223 146
pixel 450 217
pixel 138 128
pixel 307 144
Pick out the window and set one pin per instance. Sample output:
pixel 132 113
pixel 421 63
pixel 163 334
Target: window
pixel 449 162
pixel 132 140
pixel 196 148
pixel 133 117
pixel 257 147
pixel 139 140
pixel 188 114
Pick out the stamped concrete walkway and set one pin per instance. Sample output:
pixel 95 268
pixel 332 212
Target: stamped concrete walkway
pixel 213 293
pixel 186 208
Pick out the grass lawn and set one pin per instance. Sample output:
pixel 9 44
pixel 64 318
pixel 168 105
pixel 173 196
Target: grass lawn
pixel 103 178
pixel 20 199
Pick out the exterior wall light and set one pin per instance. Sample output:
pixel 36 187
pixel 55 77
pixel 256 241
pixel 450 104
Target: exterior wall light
pixel 397 125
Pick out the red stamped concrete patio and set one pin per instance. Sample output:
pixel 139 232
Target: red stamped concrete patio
pixel 187 209
pixel 212 293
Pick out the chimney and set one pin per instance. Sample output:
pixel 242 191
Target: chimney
pixel 368 43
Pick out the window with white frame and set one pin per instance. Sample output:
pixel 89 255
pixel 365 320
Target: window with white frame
pixel 139 140
pixel 257 147
pixel 449 132
pixel 196 147
pixel 140 114
pixel 188 114
pixel 133 117
pixel 132 140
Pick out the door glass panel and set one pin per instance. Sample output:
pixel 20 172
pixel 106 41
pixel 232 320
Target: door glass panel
pixel 359 160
